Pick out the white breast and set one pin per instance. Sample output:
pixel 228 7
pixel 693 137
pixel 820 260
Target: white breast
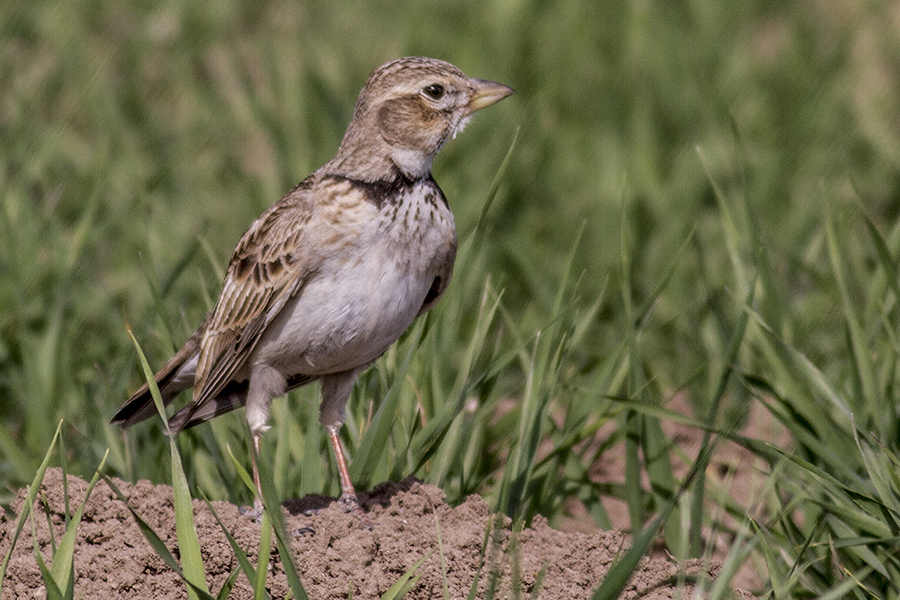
pixel 365 296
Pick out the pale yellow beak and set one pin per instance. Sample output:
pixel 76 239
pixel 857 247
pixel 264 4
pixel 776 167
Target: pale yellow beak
pixel 487 93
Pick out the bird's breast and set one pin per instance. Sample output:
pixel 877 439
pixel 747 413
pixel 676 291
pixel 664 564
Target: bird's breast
pixel 365 295
pixel 418 217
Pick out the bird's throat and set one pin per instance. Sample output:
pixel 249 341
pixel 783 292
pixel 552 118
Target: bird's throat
pixel 414 164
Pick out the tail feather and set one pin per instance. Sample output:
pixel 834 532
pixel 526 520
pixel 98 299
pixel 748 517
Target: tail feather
pixel 233 396
pixel 173 379
pixel 171 382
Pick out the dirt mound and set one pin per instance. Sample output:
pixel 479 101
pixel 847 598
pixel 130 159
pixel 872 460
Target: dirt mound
pixel 113 560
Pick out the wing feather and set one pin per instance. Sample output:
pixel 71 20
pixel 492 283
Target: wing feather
pixel 268 266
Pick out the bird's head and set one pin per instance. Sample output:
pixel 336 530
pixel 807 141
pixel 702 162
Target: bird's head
pixel 407 110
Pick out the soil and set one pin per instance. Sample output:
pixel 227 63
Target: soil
pixel 337 559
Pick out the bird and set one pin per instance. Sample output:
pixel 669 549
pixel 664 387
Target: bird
pixel 329 277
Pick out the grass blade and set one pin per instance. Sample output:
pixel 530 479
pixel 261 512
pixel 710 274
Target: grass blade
pixel 185 530
pixel 29 502
pixel 406 581
pixel 495 184
pixel 730 359
pixel 53 590
pixel 618 575
pixel 262 563
pixel 63 560
pixel 272 509
pixel 243 561
pixel 155 542
pixel 372 446
pixel 864 369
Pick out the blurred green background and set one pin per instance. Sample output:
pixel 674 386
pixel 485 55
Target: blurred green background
pixel 666 154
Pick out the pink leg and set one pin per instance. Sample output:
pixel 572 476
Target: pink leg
pixel 348 495
pixel 257 502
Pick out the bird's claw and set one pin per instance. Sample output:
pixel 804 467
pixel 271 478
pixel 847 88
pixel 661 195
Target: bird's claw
pixel 350 503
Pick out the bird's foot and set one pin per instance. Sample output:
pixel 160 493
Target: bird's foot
pixel 350 503
pixel 253 513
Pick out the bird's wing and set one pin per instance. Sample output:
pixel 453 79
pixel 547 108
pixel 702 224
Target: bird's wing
pixel 267 268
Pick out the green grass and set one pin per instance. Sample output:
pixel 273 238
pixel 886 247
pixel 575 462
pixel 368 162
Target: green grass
pixel 702 200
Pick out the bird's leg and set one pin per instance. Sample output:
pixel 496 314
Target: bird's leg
pixel 266 382
pixel 256 512
pixel 348 493
pixel 335 393
pixel 257 502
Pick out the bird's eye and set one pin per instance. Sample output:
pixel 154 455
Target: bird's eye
pixel 434 91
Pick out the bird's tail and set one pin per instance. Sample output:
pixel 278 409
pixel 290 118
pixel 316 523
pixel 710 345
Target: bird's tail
pixel 172 379
pixel 232 396
pixel 178 375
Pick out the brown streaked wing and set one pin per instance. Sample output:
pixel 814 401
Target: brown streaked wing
pixel 266 269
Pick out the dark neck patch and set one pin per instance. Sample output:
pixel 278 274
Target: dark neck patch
pixel 384 192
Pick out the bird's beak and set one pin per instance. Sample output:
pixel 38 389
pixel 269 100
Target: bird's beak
pixel 487 93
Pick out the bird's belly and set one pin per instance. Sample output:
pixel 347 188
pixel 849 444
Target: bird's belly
pixel 345 320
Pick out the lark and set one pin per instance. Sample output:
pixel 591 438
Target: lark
pixel 327 279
